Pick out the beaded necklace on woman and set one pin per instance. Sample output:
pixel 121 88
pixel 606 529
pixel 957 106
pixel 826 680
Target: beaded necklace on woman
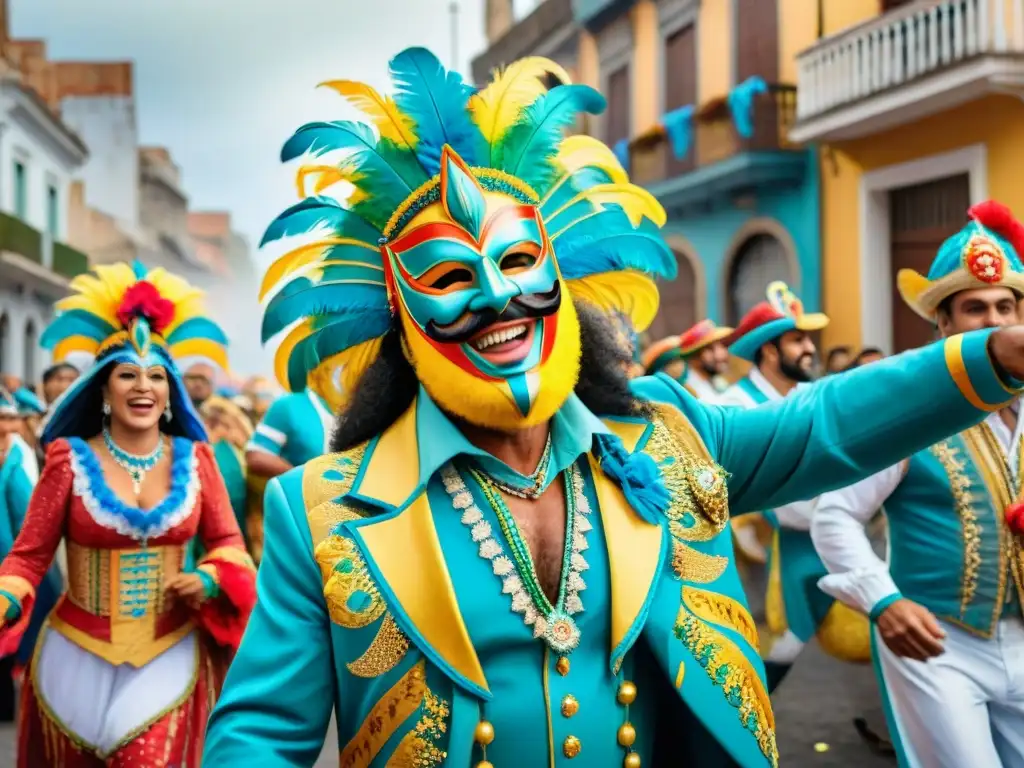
pixel 135 465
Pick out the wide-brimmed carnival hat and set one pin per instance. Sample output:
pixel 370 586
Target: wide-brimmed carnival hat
pixel 660 354
pixel 128 314
pixel 702 335
pixel 334 291
pixel 780 313
pixel 986 253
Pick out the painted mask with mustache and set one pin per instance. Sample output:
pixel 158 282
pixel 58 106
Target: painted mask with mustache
pixel 485 315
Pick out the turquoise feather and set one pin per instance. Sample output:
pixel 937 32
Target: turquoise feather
pixel 565 218
pixel 436 100
pixel 527 149
pixel 608 242
pixel 197 328
pixel 314 212
pixel 570 185
pixel 301 298
pixel 345 273
pixel 331 339
pixel 75 322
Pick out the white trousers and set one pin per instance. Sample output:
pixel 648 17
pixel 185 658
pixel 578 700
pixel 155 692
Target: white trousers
pixel 963 709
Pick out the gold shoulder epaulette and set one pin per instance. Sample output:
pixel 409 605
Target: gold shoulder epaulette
pixel 325 480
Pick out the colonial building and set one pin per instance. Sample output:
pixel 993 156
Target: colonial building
pixel 39 155
pixel 917 106
pixel 700 97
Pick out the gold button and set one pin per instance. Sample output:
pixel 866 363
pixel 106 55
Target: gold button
pixel 632 760
pixel 571 747
pixel 570 706
pixel 627 735
pixel 484 733
pixel 486 764
pixel 562 666
pixel 627 693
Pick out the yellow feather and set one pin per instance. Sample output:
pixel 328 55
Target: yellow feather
pixel 205 348
pixel 581 151
pixel 630 292
pixel 353 363
pixel 171 287
pixel 636 201
pixel 192 306
pixel 300 257
pixel 390 121
pixel 497 107
pixel 65 347
pixel 326 176
pixel 285 348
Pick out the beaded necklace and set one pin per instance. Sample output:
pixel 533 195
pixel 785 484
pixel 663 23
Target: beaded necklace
pixel 537 479
pixel 134 464
pixel 552 623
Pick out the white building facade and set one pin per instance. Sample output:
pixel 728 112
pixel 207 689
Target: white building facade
pixel 39 156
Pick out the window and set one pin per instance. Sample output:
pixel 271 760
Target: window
pixel 759 261
pixel 29 350
pixel 756 39
pixel 52 212
pixel 20 191
pixel 617 117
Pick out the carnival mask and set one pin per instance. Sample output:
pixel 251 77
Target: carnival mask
pixel 485 314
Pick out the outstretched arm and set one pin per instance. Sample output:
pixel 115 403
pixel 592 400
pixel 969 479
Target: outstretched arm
pixel 277 699
pixel 28 561
pixel 844 428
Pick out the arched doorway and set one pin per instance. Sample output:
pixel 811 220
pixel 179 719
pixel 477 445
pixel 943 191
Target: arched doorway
pixel 678 307
pixel 30 351
pixel 760 260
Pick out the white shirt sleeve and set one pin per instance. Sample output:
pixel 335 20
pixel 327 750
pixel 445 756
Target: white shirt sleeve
pixel 857 576
pixel 797 515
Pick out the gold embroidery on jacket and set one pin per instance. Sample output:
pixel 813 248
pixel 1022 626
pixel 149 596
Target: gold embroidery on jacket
pixel 960 485
pixel 722 610
pixel 387 715
pixel 694 566
pixel 419 747
pixel 387 649
pixel 728 667
pixel 353 600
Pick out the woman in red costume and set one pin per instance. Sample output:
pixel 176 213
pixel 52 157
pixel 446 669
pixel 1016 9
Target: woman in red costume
pixel 130 661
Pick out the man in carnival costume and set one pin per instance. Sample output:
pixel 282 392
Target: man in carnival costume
pixel 664 356
pixel 704 349
pixel 775 336
pixel 947 634
pixel 514 556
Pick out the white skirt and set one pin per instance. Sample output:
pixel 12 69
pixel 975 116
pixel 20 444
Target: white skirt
pixel 103 705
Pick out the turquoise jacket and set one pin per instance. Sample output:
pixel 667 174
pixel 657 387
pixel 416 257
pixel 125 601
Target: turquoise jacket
pixel 376 600
pixel 296 427
pixel 964 567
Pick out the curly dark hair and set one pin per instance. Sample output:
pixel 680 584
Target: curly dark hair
pixel 389 385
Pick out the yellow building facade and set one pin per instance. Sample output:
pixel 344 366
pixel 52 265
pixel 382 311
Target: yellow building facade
pixel 917 113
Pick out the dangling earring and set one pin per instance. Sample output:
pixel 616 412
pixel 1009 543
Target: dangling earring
pixel 106 408
pixel 167 413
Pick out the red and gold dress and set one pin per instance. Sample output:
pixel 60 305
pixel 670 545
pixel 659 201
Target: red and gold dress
pixel 123 675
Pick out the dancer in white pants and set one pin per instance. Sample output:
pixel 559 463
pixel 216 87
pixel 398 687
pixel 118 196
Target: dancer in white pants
pixel 948 635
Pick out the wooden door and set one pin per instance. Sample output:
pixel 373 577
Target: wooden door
pixel 756 40
pixel 681 88
pixel 760 260
pixel 921 218
pixel 678 307
pixel 616 124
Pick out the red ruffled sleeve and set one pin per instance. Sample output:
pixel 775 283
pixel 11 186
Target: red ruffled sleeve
pixel 34 549
pixel 226 559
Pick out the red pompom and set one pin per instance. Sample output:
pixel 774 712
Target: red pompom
pixel 1015 518
pixel 998 218
pixel 144 300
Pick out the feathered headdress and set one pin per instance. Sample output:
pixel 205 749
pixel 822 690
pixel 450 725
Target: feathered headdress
pixel 122 313
pixel 985 253
pixel 510 135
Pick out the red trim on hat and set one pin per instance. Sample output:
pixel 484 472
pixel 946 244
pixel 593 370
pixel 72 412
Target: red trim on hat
pixel 761 314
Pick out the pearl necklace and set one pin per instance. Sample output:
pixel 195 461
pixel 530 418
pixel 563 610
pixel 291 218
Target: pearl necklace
pixel 135 465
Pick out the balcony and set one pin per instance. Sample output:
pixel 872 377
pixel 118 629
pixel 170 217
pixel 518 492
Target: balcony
pixel 722 163
pixel 19 238
pixel 525 37
pixel 69 262
pixel 593 12
pixel 909 63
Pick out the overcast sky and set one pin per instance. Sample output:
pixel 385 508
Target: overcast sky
pixel 222 83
